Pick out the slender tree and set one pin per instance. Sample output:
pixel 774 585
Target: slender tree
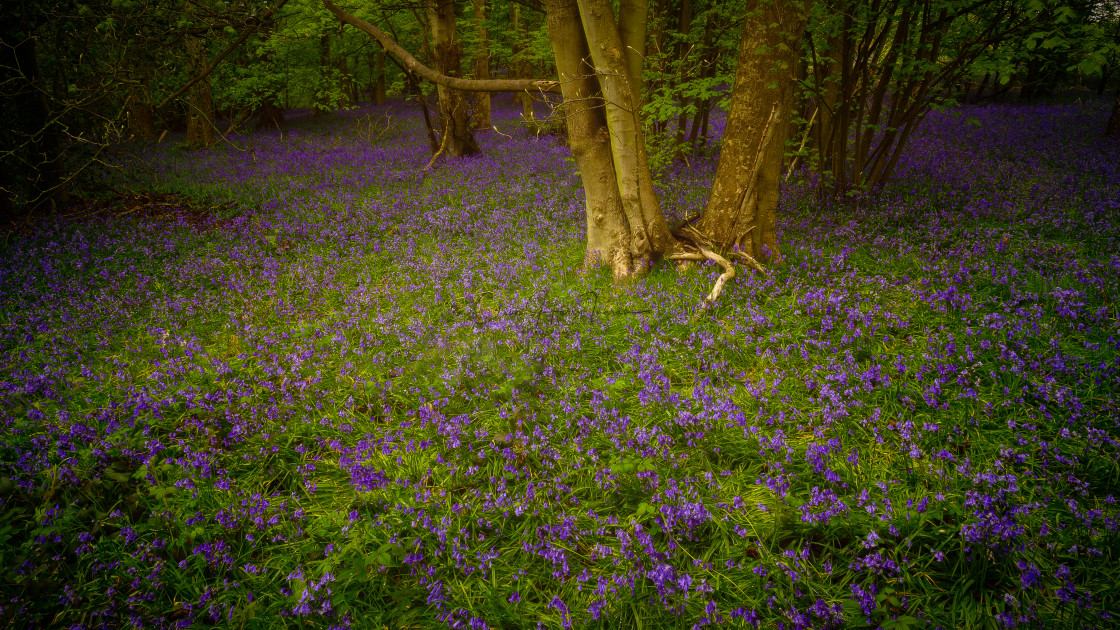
pixel 482 66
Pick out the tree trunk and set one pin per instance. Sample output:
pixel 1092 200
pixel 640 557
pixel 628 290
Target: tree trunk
pixel 379 85
pixel 459 137
pixel 649 234
pixel 980 90
pixel 140 122
pixel 482 67
pixel 702 105
pixel 269 115
pixel 744 197
pixel 522 67
pixel 1113 130
pixel 684 27
pixel 326 73
pixel 608 230
pixel 139 105
pixel 200 117
pixel 632 18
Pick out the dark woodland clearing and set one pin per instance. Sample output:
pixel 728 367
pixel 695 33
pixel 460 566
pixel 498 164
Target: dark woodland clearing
pixel 329 373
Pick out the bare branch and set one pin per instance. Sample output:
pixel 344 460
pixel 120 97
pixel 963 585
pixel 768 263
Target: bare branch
pixel 225 53
pixel 754 264
pixel 454 83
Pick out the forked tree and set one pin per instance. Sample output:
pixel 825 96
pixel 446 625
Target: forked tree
pixel 598 58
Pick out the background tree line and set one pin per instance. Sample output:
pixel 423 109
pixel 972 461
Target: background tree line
pixel 834 85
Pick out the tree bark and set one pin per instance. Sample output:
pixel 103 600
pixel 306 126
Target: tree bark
pixel 323 105
pixel 459 136
pixel 632 18
pixel 482 67
pixel 649 233
pixel 345 84
pixel 270 115
pixel 522 67
pixel 200 113
pixel 608 230
pixel 744 197
pixel 35 141
pixel 684 28
pixel 140 122
pixel 1113 130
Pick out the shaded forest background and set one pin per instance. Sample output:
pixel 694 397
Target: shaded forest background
pixel 77 78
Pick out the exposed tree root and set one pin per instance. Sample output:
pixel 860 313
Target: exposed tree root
pixel 754 264
pixel 442 148
pixel 728 273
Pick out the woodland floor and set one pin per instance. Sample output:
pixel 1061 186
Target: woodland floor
pixel 293 381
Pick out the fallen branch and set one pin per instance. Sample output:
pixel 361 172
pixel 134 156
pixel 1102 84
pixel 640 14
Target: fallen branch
pixel 442 147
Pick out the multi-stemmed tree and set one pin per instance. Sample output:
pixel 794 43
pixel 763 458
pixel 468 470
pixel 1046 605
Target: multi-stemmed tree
pixel 598 57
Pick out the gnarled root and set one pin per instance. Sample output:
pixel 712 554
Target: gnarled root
pixel 728 273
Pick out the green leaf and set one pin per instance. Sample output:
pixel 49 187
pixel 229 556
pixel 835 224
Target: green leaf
pixel 118 477
pixel 852 610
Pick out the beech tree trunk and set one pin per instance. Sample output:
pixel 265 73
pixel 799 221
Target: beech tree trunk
pixel 744 201
pixel 270 115
pixel 345 84
pixel 140 121
pixel 200 114
pixel 632 23
pixel 609 234
pixel 458 137
pixel 326 74
pixel 625 227
pixel 482 67
pixel 649 234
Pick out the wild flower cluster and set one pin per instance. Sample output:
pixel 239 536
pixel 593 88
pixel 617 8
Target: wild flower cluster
pixel 377 397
